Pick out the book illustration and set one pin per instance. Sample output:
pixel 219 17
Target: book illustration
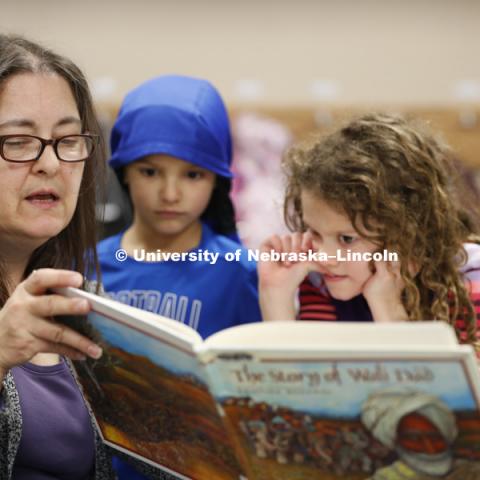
pixel 150 400
pixel 284 400
pixel 422 430
pixel 388 419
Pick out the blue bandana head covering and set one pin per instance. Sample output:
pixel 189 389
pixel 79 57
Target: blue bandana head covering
pixel 173 115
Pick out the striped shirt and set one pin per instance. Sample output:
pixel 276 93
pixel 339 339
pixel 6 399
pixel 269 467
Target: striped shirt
pixel 317 304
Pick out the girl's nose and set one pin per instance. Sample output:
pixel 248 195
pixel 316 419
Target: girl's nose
pixel 329 252
pixel 170 191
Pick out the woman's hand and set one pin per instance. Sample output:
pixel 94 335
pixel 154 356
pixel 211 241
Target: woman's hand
pixel 279 281
pixel 26 327
pixel 383 292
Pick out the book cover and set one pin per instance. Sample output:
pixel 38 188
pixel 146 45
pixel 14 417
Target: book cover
pixel 286 400
pixel 150 397
pixel 336 416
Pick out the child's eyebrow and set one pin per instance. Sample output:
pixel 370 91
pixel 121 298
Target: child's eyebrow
pixel 345 231
pixel 308 227
pixel 145 162
pixel 192 166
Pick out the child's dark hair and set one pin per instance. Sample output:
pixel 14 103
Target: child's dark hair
pixel 182 117
pixel 393 180
pixel 220 213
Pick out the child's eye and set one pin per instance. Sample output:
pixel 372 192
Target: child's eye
pixel 147 172
pixel 346 239
pixel 194 174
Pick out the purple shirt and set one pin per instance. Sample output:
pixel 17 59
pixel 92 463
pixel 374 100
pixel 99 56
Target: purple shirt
pixel 57 435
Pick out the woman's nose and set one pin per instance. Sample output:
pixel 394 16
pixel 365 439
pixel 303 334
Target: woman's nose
pixel 48 163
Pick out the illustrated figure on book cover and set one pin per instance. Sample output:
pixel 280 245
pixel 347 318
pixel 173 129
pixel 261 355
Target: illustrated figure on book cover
pixel 421 429
pixel 218 412
pixel 418 426
pixel 370 420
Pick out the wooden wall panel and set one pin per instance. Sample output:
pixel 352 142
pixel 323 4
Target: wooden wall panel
pixel 464 140
pixel 301 121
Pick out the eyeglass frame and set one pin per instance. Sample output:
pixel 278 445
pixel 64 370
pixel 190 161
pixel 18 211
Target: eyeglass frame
pixel 45 142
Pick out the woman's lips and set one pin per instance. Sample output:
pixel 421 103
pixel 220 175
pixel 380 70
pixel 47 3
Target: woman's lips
pixel 43 200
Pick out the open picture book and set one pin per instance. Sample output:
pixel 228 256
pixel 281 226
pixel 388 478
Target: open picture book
pixel 283 400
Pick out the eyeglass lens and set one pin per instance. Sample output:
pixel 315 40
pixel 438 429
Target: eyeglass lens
pixel 70 148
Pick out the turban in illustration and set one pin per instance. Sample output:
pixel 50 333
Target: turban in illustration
pixel 383 410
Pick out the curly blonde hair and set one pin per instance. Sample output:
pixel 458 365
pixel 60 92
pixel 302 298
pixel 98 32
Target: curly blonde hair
pixel 393 180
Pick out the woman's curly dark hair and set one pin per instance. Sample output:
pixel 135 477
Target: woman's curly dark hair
pixel 393 180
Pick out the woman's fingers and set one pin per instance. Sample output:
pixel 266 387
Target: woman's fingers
pixel 39 281
pixel 25 326
pixel 52 305
pixel 61 337
pixel 60 349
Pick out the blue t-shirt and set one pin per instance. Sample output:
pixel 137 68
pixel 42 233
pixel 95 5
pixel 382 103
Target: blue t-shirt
pixel 207 297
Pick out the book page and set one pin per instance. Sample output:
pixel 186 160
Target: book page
pixel 149 394
pixel 135 317
pixel 351 415
pixel 345 335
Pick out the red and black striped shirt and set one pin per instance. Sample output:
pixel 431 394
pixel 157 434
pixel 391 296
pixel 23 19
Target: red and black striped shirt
pixel 317 304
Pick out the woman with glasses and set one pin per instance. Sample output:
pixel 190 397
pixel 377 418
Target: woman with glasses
pixel 48 162
pixel 50 158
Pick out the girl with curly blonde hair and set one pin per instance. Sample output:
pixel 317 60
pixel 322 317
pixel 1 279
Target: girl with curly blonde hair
pixel 379 183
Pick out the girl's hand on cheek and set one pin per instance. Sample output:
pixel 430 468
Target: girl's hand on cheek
pixel 383 292
pixel 287 274
pixel 279 280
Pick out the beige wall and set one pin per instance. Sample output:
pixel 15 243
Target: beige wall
pixel 377 52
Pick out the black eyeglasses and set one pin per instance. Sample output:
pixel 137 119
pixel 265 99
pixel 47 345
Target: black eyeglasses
pixel 28 148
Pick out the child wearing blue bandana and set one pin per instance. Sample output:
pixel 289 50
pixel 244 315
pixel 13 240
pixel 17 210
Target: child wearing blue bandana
pixel 171 150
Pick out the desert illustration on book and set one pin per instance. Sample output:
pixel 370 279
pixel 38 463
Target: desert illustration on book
pixel 200 411
pixel 354 419
pixel 151 400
